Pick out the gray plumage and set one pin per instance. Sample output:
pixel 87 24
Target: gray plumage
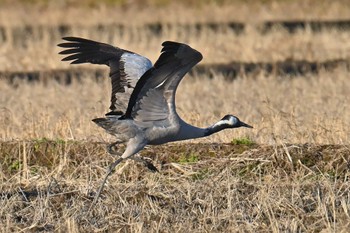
pixel 126 67
pixel 143 110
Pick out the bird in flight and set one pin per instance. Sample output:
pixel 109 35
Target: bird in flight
pixel 143 110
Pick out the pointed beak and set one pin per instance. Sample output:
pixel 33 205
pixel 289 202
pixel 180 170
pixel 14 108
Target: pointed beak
pixel 245 125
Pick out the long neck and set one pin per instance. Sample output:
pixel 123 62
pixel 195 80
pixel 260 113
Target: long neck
pixel 188 131
pixel 220 125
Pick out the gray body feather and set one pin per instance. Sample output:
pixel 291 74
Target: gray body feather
pixel 143 107
pixel 143 110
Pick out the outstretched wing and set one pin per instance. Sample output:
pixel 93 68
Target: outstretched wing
pixel 126 67
pixel 153 99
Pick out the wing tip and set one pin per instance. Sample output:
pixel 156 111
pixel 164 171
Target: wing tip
pixel 72 38
pixel 62 45
pixel 181 50
pixel 114 113
pixel 75 41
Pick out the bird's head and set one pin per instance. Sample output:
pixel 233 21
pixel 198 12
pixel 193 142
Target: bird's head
pixel 231 121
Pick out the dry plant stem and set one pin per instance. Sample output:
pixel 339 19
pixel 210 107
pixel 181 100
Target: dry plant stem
pixel 141 159
pixel 109 172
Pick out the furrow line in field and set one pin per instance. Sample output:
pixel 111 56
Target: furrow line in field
pixel 230 71
pixel 19 35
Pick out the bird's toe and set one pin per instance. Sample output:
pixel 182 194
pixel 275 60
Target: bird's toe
pixel 150 166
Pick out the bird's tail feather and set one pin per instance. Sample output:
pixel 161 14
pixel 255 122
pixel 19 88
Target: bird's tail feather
pixel 115 127
pixel 105 123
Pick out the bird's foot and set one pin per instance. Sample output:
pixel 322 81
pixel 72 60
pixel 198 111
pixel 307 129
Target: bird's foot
pixel 111 149
pixel 147 162
pixel 150 166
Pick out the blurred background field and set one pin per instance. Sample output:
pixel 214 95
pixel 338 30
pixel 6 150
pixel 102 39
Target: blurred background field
pixel 290 72
pixel 280 65
pixel 221 30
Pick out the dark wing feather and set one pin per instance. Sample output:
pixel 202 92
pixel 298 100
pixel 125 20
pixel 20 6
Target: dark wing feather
pixel 126 67
pixel 153 98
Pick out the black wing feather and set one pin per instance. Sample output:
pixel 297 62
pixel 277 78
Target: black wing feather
pixel 125 67
pixel 175 61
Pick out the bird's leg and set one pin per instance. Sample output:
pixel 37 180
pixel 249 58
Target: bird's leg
pixel 134 145
pixel 138 158
pixel 109 172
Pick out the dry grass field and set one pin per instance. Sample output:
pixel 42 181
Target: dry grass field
pixel 288 174
pixel 213 187
pixel 225 46
pixel 311 109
